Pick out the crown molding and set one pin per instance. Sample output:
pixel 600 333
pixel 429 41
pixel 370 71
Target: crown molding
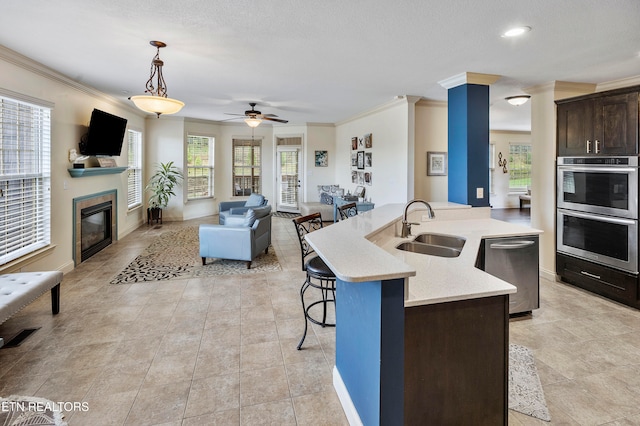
pixel 398 100
pixel 42 70
pixel 469 78
pixel 618 84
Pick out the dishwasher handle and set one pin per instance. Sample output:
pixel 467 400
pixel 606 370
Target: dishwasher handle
pixel 512 245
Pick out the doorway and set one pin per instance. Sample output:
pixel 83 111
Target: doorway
pixel 289 175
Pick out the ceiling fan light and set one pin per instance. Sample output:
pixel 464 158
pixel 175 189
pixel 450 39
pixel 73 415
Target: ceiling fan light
pixel 157 104
pixel 518 100
pixel 253 122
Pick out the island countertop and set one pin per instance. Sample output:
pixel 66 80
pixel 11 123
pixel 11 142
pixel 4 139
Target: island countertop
pixel 363 248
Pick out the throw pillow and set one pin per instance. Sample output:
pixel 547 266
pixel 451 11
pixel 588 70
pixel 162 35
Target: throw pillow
pixel 326 198
pixel 254 200
pixel 250 217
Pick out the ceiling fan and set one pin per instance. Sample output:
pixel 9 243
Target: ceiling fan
pixel 254 117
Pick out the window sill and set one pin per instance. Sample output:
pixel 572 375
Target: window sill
pixel 17 264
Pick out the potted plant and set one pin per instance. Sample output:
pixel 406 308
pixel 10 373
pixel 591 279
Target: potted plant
pixel 160 186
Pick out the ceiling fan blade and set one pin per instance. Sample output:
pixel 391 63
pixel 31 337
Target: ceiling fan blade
pixel 234 118
pixel 279 120
pixel 228 113
pixel 269 115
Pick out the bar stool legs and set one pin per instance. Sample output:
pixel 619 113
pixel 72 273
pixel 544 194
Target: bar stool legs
pixel 327 289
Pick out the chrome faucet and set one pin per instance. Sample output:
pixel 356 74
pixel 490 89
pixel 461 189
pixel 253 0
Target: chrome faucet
pixel 406 225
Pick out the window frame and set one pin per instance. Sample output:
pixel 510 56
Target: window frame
pixel 527 147
pixel 210 168
pixel 134 163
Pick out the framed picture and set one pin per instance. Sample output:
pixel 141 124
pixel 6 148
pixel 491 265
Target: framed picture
pixel 368 141
pixel 354 176
pixel 354 159
pixel 368 178
pixel 436 163
pixel 360 178
pixel 322 158
pixel 354 143
pixel 360 160
pixel 367 159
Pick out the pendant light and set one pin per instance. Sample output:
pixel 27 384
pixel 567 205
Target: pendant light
pixel 157 101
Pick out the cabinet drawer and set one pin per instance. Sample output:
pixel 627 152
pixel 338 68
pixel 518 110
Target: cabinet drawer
pixel 612 283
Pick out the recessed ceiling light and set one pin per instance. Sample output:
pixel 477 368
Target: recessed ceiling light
pixel 517 31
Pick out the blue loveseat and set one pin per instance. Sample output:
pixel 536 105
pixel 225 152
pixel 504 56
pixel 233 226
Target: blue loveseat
pixel 239 238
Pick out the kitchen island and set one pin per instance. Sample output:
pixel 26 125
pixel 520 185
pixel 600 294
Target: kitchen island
pixel 420 339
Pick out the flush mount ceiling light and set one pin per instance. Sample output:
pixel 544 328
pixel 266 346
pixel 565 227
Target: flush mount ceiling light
pixel 516 31
pixel 518 100
pixel 252 121
pixel 157 101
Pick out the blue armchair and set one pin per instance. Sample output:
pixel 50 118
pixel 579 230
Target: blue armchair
pixel 238 241
pixel 236 210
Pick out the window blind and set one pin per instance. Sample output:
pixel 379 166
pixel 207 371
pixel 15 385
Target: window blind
pixel 246 166
pixel 25 178
pixel 134 181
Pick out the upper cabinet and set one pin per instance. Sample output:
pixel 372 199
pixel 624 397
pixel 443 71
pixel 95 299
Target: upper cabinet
pixel 603 123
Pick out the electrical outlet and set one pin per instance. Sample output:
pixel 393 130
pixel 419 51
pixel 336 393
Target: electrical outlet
pixel 65 185
pixel 479 192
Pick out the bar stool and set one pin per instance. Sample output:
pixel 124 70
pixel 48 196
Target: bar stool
pixel 319 276
pixel 347 210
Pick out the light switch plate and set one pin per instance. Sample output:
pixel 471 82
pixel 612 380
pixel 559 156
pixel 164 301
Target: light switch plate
pixel 479 192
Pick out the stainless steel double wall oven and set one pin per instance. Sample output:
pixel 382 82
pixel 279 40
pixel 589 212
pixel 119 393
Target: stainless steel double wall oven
pixel 597 204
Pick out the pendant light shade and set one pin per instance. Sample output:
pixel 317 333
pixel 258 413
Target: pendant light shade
pixel 156 101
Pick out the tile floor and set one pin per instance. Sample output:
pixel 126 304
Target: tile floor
pixel 222 351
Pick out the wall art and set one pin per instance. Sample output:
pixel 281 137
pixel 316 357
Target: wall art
pixel 436 163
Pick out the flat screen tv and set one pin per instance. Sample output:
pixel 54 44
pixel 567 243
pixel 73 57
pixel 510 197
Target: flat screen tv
pixel 105 135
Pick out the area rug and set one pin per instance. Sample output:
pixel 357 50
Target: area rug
pixel 525 391
pixel 285 215
pixel 28 410
pixel 175 255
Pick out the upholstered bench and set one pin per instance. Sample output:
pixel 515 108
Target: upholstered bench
pixel 19 289
pixel 525 198
pixel 325 210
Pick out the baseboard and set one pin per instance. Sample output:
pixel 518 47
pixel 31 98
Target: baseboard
pixel 549 275
pixel 345 399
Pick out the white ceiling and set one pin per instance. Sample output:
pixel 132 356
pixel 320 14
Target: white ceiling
pixel 325 61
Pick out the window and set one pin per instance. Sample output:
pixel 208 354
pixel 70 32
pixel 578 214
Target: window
pixel 25 177
pixel 199 167
pixel 134 182
pixel 246 166
pixel 519 167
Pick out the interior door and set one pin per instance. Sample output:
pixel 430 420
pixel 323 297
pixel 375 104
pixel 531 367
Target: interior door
pixel 289 161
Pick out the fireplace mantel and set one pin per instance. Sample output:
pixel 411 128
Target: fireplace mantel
pixel 96 171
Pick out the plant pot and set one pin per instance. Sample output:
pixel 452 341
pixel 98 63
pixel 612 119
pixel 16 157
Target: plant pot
pixel 154 213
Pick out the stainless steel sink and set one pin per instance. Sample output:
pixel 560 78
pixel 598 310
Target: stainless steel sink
pixel 450 241
pixel 430 249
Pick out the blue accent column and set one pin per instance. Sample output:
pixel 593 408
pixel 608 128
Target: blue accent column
pixel 468 144
pixel 370 348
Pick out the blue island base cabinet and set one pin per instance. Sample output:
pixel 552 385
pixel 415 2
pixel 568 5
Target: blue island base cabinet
pixel 434 364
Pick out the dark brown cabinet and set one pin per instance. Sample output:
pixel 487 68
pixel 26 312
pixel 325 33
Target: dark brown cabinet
pixel 608 282
pixel 605 123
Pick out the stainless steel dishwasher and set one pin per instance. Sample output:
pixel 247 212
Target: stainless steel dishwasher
pixel 514 260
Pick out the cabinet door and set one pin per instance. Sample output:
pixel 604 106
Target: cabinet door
pixel 616 124
pixel 575 128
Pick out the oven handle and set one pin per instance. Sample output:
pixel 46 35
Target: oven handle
pixel 610 219
pixel 599 169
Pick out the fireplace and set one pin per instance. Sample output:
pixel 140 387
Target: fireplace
pixel 94 224
pixel 95 229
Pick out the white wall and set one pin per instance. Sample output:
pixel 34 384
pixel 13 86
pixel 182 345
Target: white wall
pixel 501 198
pixel 320 137
pixel 389 128
pixel 69 121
